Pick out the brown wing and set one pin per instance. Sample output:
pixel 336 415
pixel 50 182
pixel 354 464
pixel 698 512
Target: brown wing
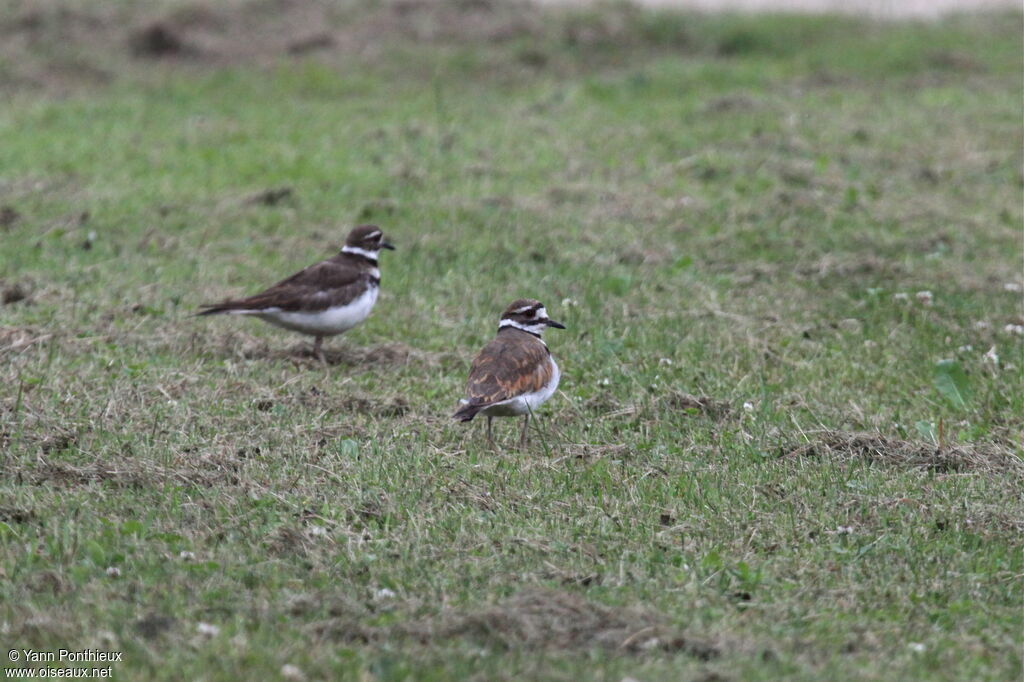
pixel 327 283
pixel 512 364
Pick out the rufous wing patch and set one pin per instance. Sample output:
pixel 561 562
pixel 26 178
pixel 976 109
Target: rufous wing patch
pixel 512 364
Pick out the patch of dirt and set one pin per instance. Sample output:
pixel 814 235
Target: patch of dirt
pixel 843 446
pixel 950 60
pixel 537 619
pixel 8 216
pixel 601 403
pixel 639 256
pixel 272 196
pixel 396 353
pixel 311 43
pixel 136 476
pixel 47 45
pixel 16 515
pixel 49 581
pixel 594 451
pixel 233 32
pixel 997 519
pixel 154 624
pixel 157 40
pixel 691 404
pixel 289 541
pixel 47 437
pixel 336 352
pixel 572 578
pixel 13 293
pixel 850 266
pixel 739 102
pixel 395 407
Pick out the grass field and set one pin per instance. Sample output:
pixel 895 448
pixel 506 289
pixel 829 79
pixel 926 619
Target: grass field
pixel 772 454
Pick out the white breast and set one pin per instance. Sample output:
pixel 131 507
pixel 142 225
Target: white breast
pixel 329 322
pixel 540 397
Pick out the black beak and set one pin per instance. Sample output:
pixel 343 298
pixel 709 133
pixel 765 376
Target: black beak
pixel 387 245
pixel 556 325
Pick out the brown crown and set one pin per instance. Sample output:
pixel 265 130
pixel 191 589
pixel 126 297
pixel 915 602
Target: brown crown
pixel 523 308
pixel 365 237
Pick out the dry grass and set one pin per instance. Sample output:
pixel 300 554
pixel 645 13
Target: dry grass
pixel 984 458
pixel 739 477
pixel 535 620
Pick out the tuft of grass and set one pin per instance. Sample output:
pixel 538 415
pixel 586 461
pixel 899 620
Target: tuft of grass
pixel 772 454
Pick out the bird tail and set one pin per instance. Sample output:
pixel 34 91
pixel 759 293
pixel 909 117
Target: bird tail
pixel 221 308
pixel 467 411
pixel 213 309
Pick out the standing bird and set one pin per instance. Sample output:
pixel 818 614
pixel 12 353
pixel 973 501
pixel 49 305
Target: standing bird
pixel 325 299
pixel 514 374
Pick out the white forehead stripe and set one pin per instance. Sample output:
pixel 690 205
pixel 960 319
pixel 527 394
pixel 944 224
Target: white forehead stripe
pixel 523 309
pixel 373 235
pixel 372 255
pixel 542 313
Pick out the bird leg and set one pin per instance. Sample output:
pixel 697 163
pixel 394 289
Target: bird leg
pixel 318 349
pixel 490 439
pixel 524 435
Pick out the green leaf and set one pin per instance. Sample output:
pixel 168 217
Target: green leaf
pixel 928 430
pixel 96 552
pixel 951 380
pixel 620 285
pixel 132 527
pixel 348 448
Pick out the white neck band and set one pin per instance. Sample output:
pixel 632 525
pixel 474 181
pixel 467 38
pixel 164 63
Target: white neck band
pixel 529 328
pixel 355 250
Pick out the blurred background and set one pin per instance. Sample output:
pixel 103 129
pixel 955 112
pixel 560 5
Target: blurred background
pixel 877 8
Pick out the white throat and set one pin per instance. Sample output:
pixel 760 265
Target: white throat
pixel 355 250
pixel 537 329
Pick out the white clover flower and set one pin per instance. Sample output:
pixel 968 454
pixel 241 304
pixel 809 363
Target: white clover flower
pixel 981 324
pixel 991 356
pixel 924 297
pixel 965 349
pixel 901 297
pixel 748 406
pixel 384 593
pixel 665 361
pixel 185 555
pixel 207 629
pixel 1017 329
pixel 1014 287
pixel 569 303
pixel 113 572
pixel 605 382
pixel 916 647
pixel 292 672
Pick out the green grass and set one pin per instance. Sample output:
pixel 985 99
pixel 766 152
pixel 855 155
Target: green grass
pixel 718 207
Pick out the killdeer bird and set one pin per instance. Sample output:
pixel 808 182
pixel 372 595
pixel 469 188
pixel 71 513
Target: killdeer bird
pixel 514 374
pixel 325 299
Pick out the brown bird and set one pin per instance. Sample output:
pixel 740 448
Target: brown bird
pixel 325 299
pixel 514 374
